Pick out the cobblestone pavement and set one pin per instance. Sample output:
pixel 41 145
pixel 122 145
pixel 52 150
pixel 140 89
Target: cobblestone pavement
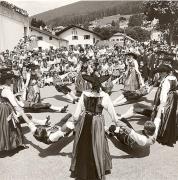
pixel 52 162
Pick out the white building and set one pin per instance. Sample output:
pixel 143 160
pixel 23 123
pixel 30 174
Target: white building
pixel 46 40
pixel 120 38
pixel 14 25
pixel 79 36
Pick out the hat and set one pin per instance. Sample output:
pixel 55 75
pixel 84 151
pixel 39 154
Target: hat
pixel 84 59
pixel 4 69
pixel 132 54
pixel 95 80
pixel 96 63
pixel 168 58
pixel 32 66
pixel 6 75
pixel 175 65
pixel 164 68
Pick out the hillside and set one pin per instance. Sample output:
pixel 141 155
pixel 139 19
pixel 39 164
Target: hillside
pixel 82 11
pixel 108 20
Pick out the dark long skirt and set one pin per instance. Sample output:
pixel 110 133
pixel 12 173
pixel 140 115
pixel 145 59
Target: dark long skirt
pixel 10 134
pixel 167 130
pixel 17 85
pixel 81 85
pixel 90 158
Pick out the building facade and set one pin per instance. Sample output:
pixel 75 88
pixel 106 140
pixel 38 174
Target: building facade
pixel 46 40
pixel 13 26
pixel 120 39
pixel 77 36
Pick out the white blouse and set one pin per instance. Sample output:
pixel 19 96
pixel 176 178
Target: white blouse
pixel 7 93
pixel 166 88
pixel 143 140
pixel 106 103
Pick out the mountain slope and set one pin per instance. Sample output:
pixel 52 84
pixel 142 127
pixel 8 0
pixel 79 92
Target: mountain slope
pixel 82 9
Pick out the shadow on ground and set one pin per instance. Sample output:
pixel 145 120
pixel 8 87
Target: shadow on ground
pixel 131 153
pixel 53 149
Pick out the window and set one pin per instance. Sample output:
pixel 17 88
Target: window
pixel 94 40
pixel 50 38
pixel 74 37
pixel 74 31
pixel 40 38
pixel 86 36
pixel 25 31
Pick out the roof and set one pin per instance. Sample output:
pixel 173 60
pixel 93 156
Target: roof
pixel 46 33
pixel 74 26
pixel 121 34
pixel 14 8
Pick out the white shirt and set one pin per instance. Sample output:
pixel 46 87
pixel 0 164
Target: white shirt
pixel 143 140
pixel 72 60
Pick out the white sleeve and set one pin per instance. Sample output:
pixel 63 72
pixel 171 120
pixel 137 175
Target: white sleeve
pixel 7 93
pixel 153 138
pixel 108 106
pixel 28 79
pixel 164 91
pixel 80 107
pixel 136 68
pixel 136 65
pixel 157 122
pixel 53 137
pixel 138 138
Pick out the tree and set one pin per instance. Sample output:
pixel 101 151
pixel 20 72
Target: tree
pixel 165 11
pixel 135 20
pixel 107 32
pixel 86 24
pixel 33 22
pixel 138 33
pixel 37 23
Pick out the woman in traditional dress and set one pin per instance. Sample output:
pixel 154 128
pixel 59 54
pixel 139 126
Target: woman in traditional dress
pixel 10 130
pixel 18 80
pixel 80 84
pixel 133 79
pixel 91 158
pixel 167 98
pixel 33 103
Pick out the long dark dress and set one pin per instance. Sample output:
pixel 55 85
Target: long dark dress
pixel 167 130
pixel 10 131
pixel 91 158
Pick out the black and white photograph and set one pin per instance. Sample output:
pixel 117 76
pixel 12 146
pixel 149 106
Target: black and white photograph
pixel 88 90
